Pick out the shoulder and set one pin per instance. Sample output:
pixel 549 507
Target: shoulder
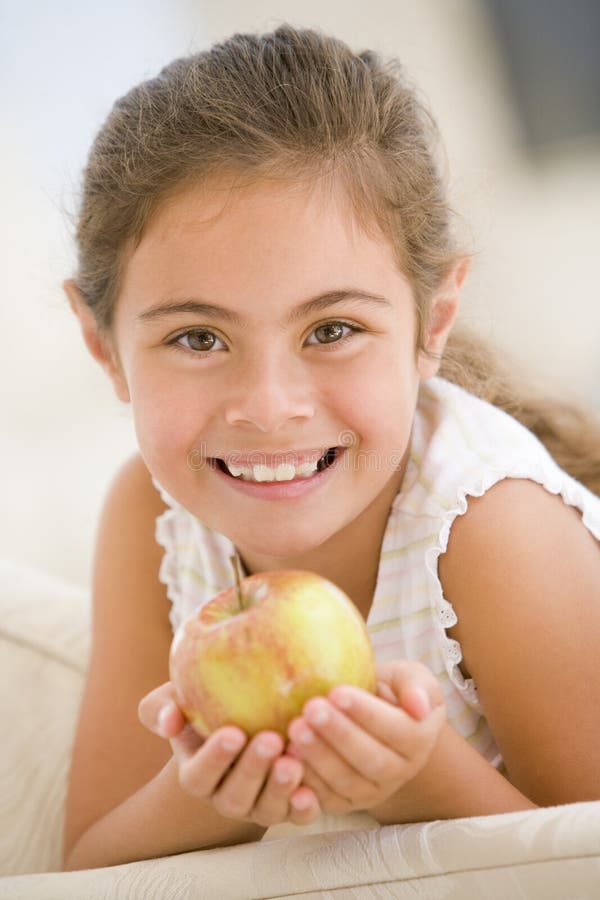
pixel 132 499
pixel 515 513
pixel 520 517
pixel 133 478
pixel 523 575
pixel 514 549
pixel 127 555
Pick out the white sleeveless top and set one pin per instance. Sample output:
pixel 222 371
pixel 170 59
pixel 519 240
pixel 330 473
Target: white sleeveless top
pixel 460 447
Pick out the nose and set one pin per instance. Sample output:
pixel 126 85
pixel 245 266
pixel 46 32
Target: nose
pixel 269 393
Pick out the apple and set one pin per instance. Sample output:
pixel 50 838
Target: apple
pixel 255 653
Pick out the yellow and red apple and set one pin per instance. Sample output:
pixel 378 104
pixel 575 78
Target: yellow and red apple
pixel 255 653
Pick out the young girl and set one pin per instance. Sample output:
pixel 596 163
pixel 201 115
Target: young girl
pixel 267 274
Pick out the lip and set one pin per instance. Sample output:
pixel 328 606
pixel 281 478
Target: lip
pixel 280 490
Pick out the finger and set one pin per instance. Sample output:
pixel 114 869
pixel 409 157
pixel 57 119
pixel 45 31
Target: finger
pixel 204 762
pixel 185 744
pixel 402 731
pixel 326 757
pixel 415 700
pixel 327 799
pixel 384 691
pixel 411 684
pixel 375 739
pixel 158 711
pixel 304 806
pixel 273 803
pixel 241 787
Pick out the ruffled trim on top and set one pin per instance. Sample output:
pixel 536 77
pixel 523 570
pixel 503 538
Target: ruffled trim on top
pixel 553 480
pixel 166 535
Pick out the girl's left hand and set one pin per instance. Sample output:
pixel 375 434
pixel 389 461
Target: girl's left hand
pixel 356 756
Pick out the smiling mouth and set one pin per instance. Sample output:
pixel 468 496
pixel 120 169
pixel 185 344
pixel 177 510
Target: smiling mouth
pixel 283 472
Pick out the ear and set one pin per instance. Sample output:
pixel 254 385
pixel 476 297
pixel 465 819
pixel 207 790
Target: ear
pixel 442 315
pixel 98 343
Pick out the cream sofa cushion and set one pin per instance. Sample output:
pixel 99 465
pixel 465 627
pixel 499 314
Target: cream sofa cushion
pixel 44 641
pixel 44 645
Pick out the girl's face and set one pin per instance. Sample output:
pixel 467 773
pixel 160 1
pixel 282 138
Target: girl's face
pixel 265 324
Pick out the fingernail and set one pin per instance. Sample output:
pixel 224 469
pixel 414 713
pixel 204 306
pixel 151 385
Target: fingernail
pixel 306 736
pixel 424 704
pixel 163 715
pixel 342 699
pixel 264 750
pixel 232 743
pixel 318 714
pixel 301 802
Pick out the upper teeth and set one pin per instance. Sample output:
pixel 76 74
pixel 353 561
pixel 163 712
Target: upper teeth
pixel 282 472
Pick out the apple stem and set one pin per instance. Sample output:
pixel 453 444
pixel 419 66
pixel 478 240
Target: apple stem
pixel 238 582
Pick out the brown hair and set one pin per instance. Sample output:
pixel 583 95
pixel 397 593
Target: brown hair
pixel 297 104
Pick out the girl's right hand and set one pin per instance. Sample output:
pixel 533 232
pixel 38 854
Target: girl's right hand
pixel 249 781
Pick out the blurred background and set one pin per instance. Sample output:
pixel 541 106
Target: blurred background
pixel 515 88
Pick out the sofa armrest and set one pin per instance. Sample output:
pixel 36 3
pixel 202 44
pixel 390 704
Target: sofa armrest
pixel 550 853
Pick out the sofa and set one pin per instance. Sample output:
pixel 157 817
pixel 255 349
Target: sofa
pixel 44 644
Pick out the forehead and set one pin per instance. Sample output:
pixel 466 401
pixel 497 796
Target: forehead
pixel 269 237
pixel 247 209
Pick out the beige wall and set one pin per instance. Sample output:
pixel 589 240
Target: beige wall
pixel 533 287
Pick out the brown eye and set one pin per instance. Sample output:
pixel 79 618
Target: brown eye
pixel 199 340
pixel 195 340
pixel 329 333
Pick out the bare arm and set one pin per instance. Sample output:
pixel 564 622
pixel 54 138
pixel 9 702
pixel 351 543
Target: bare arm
pixel 124 801
pixel 529 628
pixel 456 782
pixel 159 819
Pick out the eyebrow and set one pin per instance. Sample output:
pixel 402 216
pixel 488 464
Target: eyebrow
pixel 211 310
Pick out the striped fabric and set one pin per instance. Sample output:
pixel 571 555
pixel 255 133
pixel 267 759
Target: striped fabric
pixel 461 446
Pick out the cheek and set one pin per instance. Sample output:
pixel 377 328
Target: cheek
pixel 378 400
pixel 154 432
pixel 167 419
